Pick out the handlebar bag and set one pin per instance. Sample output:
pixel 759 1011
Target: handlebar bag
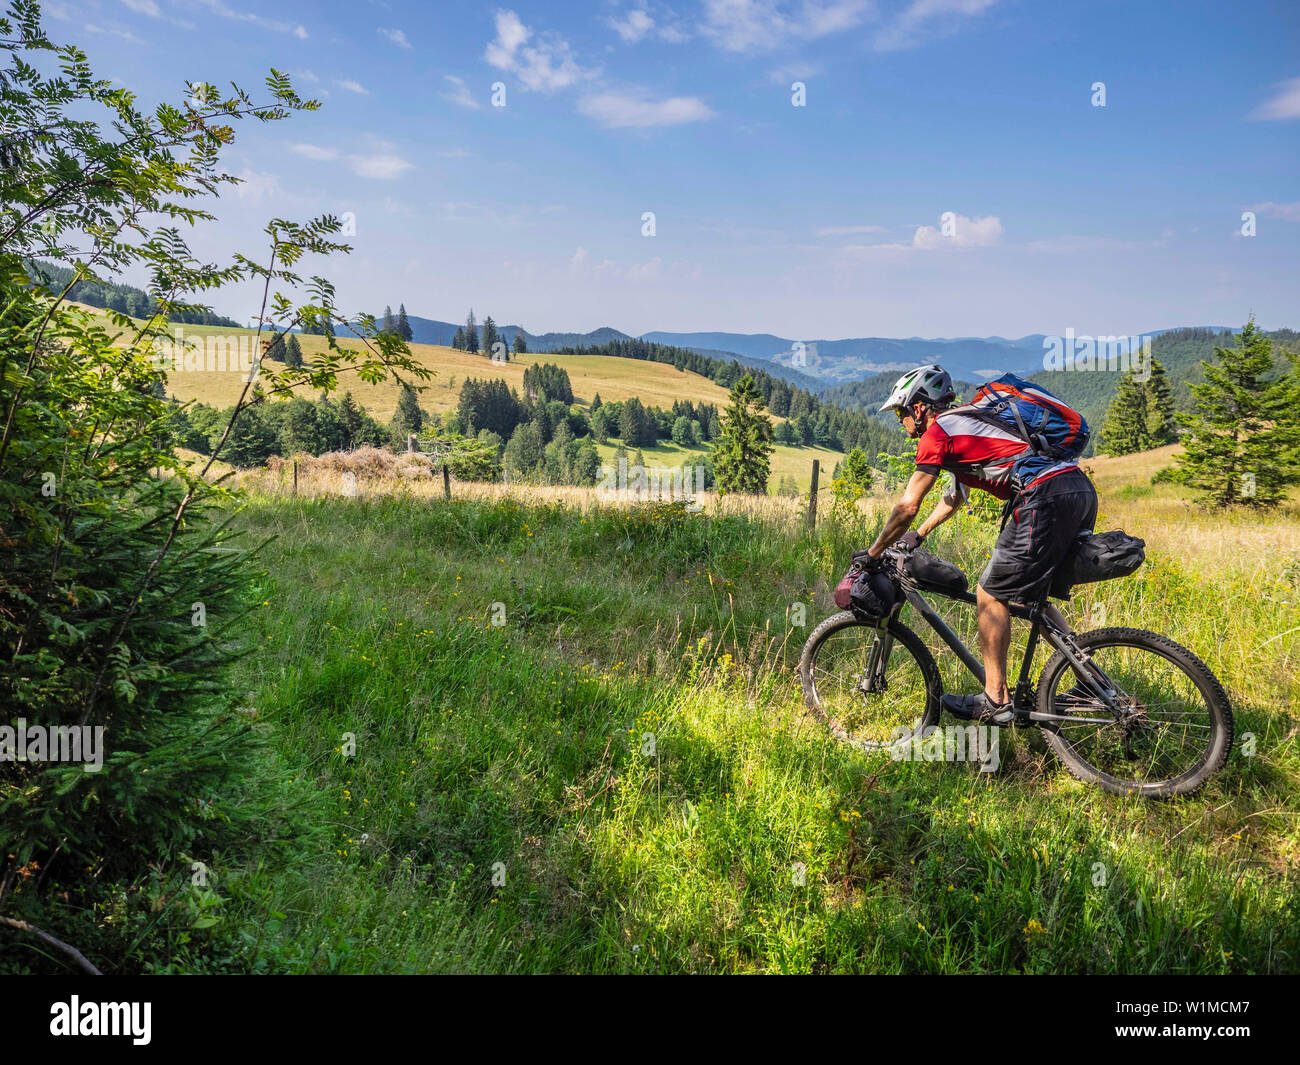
pixel 868 592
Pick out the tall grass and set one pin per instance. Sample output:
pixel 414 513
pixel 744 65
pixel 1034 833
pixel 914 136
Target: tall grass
pixel 505 808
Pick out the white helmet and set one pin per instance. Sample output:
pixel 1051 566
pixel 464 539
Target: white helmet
pixel 925 384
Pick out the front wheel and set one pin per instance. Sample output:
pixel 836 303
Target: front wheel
pixel 1167 731
pixel 873 686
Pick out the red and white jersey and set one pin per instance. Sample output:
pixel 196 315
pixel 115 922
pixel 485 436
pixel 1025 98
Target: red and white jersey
pixel 979 454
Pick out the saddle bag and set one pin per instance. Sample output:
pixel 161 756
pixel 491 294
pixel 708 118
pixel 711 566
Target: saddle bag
pixel 1104 556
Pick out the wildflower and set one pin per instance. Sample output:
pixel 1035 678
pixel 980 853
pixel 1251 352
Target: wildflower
pixel 1033 928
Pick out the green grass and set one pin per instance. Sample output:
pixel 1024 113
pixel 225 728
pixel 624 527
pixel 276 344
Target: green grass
pixel 525 744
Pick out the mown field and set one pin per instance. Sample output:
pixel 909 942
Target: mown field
pixel 655 384
pixel 500 810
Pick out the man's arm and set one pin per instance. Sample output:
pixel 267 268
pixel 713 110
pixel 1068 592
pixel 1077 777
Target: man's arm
pixel 948 506
pixel 904 512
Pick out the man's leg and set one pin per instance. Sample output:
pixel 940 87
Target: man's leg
pixel 995 637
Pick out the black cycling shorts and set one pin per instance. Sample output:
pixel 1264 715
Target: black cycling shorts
pixel 1044 522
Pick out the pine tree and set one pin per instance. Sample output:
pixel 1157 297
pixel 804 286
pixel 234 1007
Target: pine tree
pixel 408 418
pixel 1242 440
pixel 293 352
pixel 742 451
pixel 1124 428
pixel 521 345
pixel 1160 424
pixel 489 336
pixel 389 324
pixel 403 326
pixel 350 418
pixel 471 333
pixel 458 341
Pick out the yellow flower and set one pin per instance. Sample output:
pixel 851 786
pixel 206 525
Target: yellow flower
pixel 1033 928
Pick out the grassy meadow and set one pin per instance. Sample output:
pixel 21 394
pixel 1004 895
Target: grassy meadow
pixel 436 792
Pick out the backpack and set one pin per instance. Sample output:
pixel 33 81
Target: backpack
pixel 1052 428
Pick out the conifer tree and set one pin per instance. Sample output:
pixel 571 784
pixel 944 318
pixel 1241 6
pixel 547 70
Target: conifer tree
pixel 1124 429
pixel 408 418
pixel 1160 423
pixel 489 336
pixel 1242 439
pixel 743 448
pixel 471 333
pixel 403 326
pixel 350 418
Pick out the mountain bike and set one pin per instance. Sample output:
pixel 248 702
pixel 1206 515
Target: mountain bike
pixel 1129 710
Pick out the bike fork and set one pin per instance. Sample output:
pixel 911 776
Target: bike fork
pixel 873 678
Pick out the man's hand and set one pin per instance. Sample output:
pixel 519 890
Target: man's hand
pixel 910 540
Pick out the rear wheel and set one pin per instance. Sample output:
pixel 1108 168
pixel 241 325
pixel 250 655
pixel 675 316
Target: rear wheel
pixel 1174 726
pixel 873 686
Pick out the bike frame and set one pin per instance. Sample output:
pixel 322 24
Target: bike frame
pixel 1040 626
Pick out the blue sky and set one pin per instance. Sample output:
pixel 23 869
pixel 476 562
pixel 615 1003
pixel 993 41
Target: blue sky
pixel 814 221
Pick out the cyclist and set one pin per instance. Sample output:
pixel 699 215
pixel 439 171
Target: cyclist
pixel 1042 517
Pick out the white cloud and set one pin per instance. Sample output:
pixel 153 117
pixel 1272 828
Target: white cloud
pixel 352 86
pixel 926 17
pixel 845 231
pixel 762 25
pixel 967 233
pixel 1069 244
pixel 396 36
pixel 794 72
pixel 459 93
pixel 454 153
pixel 125 35
pixel 312 151
pixel 255 186
pixel 144 7
pixel 219 7
pixel 1287 211
pixel 306 75
pixel 578 261
pixel 632 26
pixel 616 110
pixel 545 64
pixel 645 271
pixel 381 166
pixel 1285 105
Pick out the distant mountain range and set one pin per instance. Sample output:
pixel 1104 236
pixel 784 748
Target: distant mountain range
pixel 852 371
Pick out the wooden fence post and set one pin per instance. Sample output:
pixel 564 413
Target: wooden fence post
pixel 295 480
pixel 812 496
pixel 446 481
